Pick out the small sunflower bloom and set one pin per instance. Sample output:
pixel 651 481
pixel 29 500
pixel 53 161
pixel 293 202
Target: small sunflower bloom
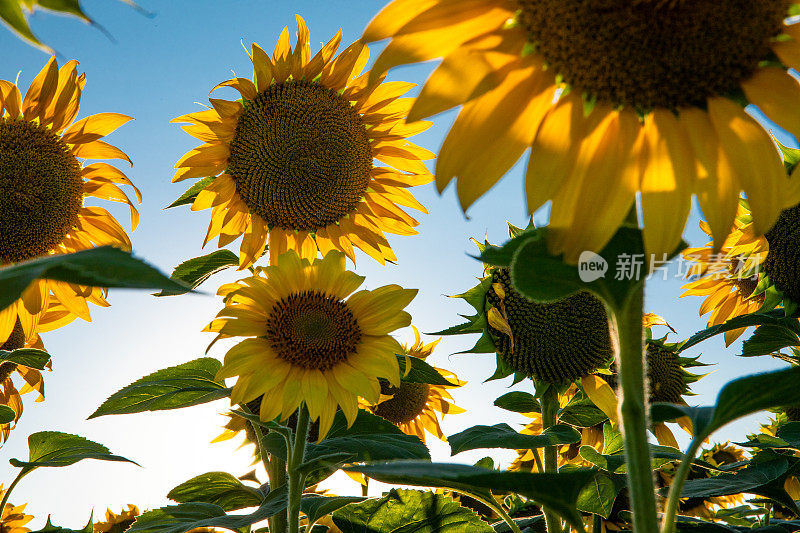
pixel 616 99
pixel 310 338
pixel 291 164
pixel 44 183
pixel 117 523
pixel 413 407
pixel 13 519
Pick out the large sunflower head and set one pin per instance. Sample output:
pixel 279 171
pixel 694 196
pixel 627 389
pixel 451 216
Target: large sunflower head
pixel 617 99
pixel 554 342
pixel 13 519
pixel 117 523
pixel 291 164
pixel 413 407
pixel 43 184
pixel 751 272
pixel 310 337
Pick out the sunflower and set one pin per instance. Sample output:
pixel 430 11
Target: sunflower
pixel 9 394
pixel 13 519
pixel 751 272
pixel 290 165
pixel 615 98
pixel 556 342
pixel 413 406
pixel 43 184
pixel 117 523
pixel 720 455
pixel 312 339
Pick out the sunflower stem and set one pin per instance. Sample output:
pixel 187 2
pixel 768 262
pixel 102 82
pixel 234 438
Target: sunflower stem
pixel 597 524
pixel 549 404
pixel 633 409
pixel 277 478
pixel 296 478
pixel 17 479
pixel 675 488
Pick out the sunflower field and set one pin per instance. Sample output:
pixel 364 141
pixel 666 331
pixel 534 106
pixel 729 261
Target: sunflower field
pixel 512 266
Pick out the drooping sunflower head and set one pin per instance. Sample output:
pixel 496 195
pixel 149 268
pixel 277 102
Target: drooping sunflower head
pixel 292 163
pixel 13 519
pixel 44 182
pixel 413 407
pixel 117 523
pixel 310 338
pixel 638 101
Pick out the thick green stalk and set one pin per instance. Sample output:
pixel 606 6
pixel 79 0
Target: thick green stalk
pixel 17 479
pixel 296 478
pixel 675 488
pixel 549 403
pixel 277 478
pixel 633 408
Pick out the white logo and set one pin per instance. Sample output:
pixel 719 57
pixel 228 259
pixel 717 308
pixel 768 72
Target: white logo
pixel 591 266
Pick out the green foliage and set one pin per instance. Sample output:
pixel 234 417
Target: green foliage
pixel 598 496
pixel 7 414
pixel 104 266
pixel 53 448
pixel 195 271
pixel 11 13
pixel 29 357
pixel 420 372
pixel 189 196
pixel 407 511
pixel 504 436
pixel 559 492
pixel 769 339
pixel 50 528
pixel 776 317
pixel 187 516
pixel 175 387
pixel 218 488
pixel 316 506
pixel 518 402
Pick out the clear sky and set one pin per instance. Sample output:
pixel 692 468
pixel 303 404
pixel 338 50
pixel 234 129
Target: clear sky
pixel 156 70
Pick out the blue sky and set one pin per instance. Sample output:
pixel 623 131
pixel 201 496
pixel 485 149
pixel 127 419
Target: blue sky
pixel 157 69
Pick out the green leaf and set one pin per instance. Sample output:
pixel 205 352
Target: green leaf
pixel 7 414
pixel 583 415
pixel 559 491
pixel 29 357
pixel 409 511
pixel 504 436
pixel 316 506
pixel 187 516
pixel 421 372
pixel 104 266
pixel 774 317
pixel 11 14
pixel 193 272
pixel 598 496
pixel 219 488
pixel 615 464
pixel 370 438
pixel 68 7
pixel 769 339
pixel 179 386
pixel 53 448
pixel 518 402
pixel 189 196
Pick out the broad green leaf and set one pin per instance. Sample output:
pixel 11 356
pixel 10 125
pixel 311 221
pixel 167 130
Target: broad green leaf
pixel 420 372
pixel 11 14
pixel 504 436
pixel 615 464
pixel 316 506
pixel 179 386
pixel 53 448
pixel 188 516
pixel 7 414
pixel 409 511
pixel 598 496
pixel 774 317
pixel 104 266
pixel 370 438
pixel 582 415
pixel 749 479
pixel 769 339
pixel 518 402
pixel 330 463
pixel 219 488
pixel 559 492
pixel 193 272
pixel 189 196
pixel 30 357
